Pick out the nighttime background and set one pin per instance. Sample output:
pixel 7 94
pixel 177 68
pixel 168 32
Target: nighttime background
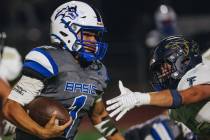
pixel 27 24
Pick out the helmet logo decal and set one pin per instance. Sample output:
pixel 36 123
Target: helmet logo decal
pixel 186 48
pixel 70 12
pixel 175 45
pixel 191 80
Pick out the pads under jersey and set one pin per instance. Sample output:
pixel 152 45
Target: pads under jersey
pixel 77 88
pixel 188 114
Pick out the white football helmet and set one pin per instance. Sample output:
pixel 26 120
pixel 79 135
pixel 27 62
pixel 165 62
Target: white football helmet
pixel 73 17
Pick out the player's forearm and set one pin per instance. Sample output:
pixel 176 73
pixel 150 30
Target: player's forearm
pixel 162 99
pixel 104 124
pixel 16 114
pixel 194 94
pixel 107 128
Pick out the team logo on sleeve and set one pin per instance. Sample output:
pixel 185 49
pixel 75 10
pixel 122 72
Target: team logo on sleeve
pixel 191 80
pixel 80 87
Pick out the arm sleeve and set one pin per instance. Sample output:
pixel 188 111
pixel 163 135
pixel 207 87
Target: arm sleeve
pixel 26 90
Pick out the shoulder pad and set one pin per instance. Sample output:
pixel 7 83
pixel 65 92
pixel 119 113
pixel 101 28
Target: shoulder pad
pixel 40 60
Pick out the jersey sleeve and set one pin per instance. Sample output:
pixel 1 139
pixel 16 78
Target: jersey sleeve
pixel 40 64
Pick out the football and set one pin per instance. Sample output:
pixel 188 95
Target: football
pixel 41 109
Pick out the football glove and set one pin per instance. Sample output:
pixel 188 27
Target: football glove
pixel 126 101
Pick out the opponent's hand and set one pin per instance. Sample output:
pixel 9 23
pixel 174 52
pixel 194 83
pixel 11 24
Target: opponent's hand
pixel 52 129
pixel 126 101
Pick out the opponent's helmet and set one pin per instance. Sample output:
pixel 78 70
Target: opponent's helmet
pixel 73 17
pixel 165 18
pixel 171 59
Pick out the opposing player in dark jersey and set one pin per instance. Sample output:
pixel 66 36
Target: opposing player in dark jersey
pixel 70 72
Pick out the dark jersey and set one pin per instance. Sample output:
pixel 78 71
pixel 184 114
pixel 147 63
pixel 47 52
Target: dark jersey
pixel 77 88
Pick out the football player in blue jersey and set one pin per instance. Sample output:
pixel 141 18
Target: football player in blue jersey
pixel 69 71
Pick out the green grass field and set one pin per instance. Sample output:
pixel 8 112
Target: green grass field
pixel 88 135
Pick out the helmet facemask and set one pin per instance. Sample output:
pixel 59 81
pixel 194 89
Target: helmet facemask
pixel 166 73
pixel 91 50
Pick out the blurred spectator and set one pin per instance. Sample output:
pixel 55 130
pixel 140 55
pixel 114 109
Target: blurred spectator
pixel 166 25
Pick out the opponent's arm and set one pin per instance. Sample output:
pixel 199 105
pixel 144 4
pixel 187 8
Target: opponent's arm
pixel 174 98
pixel 166 98
pixel 25 91
pixel 101 121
